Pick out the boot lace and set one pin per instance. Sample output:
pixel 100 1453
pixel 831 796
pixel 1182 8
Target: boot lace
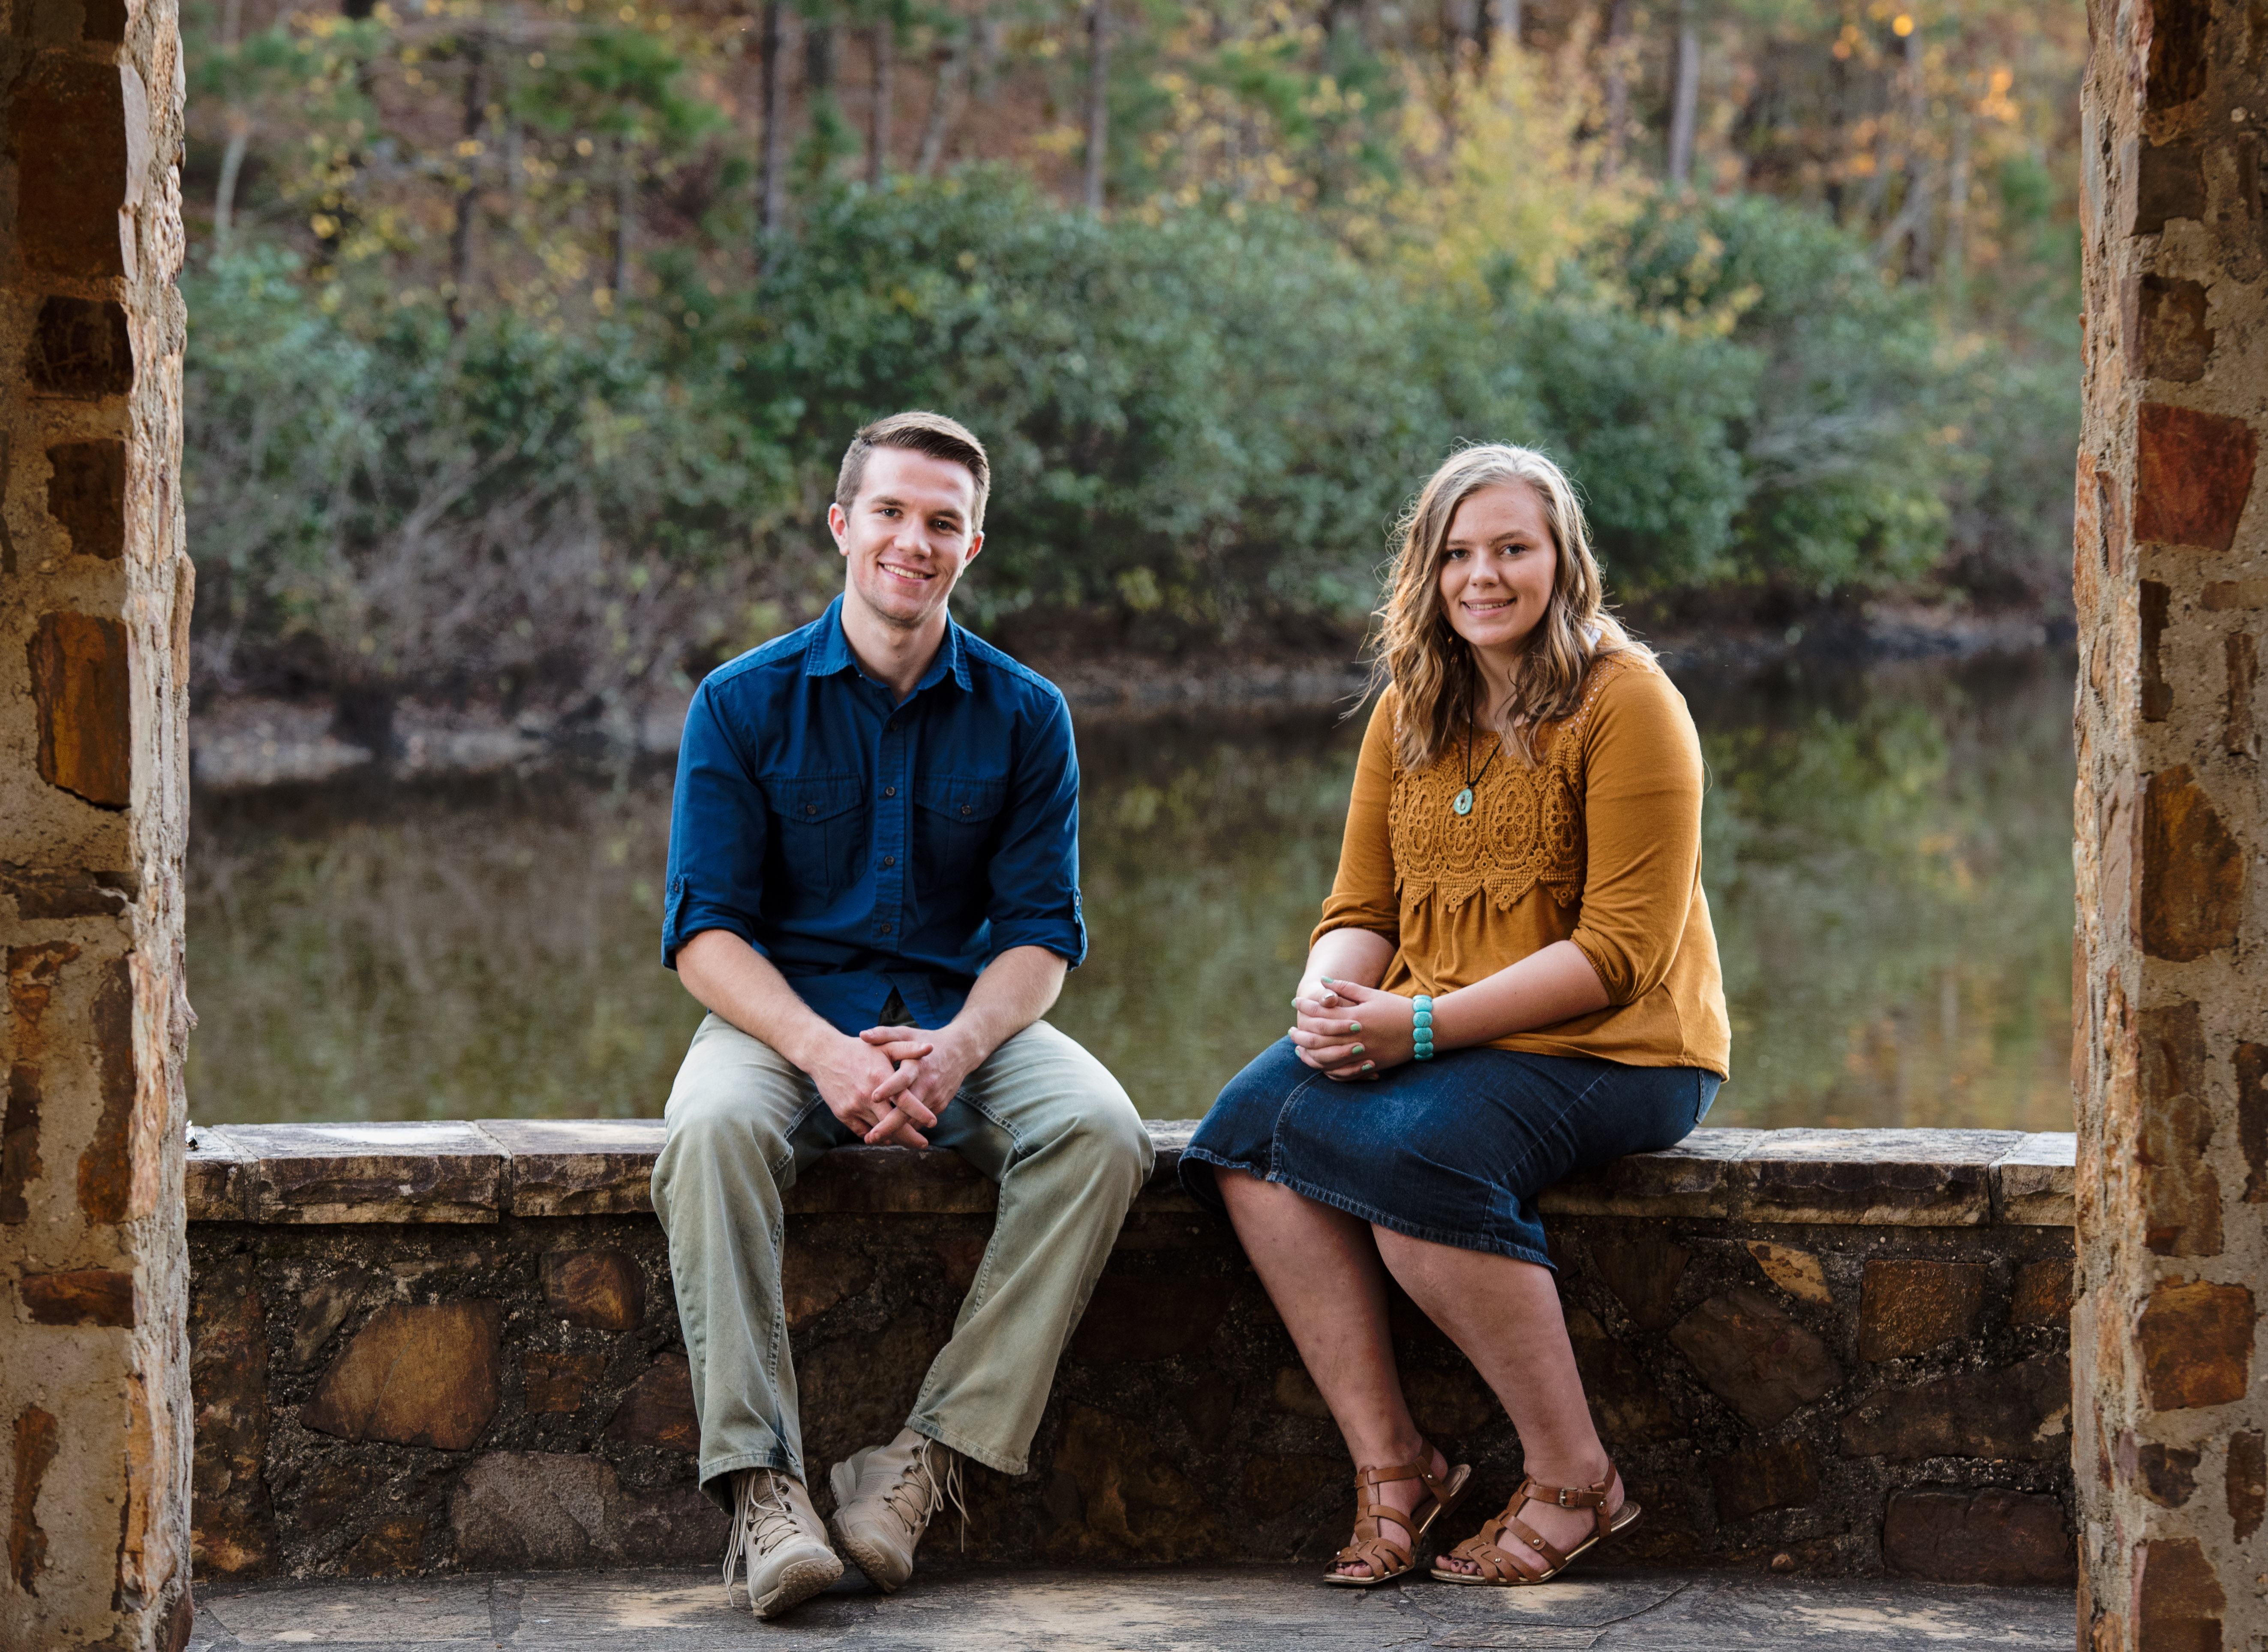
pixel 762 1519
pixel 920 1492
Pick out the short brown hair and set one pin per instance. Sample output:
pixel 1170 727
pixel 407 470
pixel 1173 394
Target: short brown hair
pixel 920 432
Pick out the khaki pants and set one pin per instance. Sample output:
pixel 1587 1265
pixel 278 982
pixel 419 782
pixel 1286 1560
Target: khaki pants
pixel 1042 1117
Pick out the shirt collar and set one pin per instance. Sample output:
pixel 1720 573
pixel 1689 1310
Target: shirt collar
pixel 828 652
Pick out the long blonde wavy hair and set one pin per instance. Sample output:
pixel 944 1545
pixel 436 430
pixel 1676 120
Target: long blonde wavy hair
pixel 1434 670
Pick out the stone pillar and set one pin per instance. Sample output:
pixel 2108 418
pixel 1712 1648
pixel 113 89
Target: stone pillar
pixel 2169 1063
pixel 94 608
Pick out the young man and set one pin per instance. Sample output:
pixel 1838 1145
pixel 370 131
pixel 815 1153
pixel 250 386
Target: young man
pixel 873 889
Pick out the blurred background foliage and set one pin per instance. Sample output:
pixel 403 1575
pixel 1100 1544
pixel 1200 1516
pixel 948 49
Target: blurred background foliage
pixel 526 333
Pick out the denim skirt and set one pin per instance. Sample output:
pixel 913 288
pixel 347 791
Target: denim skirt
pixel 1454 1150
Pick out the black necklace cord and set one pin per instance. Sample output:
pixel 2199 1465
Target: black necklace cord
pixel 1496 746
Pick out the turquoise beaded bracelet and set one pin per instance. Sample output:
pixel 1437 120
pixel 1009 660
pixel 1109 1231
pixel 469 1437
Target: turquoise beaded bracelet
pixel 1421 1028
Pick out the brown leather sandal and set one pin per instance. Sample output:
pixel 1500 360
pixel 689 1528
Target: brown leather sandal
pixel 1499 1570
pixel 1372 1547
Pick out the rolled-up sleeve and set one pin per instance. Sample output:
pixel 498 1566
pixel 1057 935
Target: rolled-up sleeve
pixel 1642 826
pixel 718 833
pixel 1364 895
pixel 1035 871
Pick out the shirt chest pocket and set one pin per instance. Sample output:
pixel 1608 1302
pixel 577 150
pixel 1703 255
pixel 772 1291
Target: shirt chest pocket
pixel 822 829
pixel 956 827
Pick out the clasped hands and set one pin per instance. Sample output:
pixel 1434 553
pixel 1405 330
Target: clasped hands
pixel 1347 1030
pixel 890 1083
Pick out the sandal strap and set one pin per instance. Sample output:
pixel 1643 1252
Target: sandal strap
pixel 1495 1565
pixel 1370 1552
pixel 1552 1559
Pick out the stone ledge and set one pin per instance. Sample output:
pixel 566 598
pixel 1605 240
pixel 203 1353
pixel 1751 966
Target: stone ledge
pixel 476 1172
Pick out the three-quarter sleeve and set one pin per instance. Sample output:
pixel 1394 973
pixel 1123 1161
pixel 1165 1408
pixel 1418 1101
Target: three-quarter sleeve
pixel 1643 780
pixel 718 833
pixel 1364 895
pixel 1035 873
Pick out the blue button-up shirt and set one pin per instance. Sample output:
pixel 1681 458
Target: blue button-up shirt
pixel 863 845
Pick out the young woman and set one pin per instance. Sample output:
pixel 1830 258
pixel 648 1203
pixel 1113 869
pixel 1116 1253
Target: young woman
pixel 1514 978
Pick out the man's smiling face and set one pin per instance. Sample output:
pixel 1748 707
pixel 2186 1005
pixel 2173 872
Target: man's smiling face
pixel 908 535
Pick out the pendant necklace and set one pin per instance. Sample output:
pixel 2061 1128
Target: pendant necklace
pixel 1464 801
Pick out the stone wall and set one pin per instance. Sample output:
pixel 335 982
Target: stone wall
pixel 95 604
pixel 2170 1063
pixel 426 1348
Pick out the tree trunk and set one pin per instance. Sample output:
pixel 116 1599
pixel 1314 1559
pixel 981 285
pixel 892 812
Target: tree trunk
pixel 232 163
pixel 1685 96
pixel 884 42
pixel 1956 215
pixel 1617 78
pixel 1919 255
pixel 625 216
pixel 1098 102
pixel 1506 14
pixel 941 100
pixel 460 236
pixel 771 160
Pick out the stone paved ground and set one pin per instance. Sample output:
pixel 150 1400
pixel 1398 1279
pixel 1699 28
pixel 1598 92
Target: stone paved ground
pixel 1181 1611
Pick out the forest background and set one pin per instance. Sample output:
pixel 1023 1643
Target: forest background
pixel 526 333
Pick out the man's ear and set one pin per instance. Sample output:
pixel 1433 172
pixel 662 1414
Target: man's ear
pixel 975 544
pixel 838 525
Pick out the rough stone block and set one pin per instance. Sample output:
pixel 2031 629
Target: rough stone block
pixel 1122 1499
pixel 2246 1484
pixel 75 126
pixel 1797 1272
pixel 1753 1357
pixel 1273 1486
pixel 37 1436
pixel 1782 1476
pixel 2192 870
pixel 1626 1403
pixel 81 350
pixel 813 1280
pixel 1913 1178
pixel 1705 1174
pixel 2197 1344
pixel 2175 342
pixel 603 1289
pixel 232 1528
pixel 2251 1064
pixel 1644 1274
pixel 2022 1412
pixel 556 1383
pixel 2042 1295
pixel 2167 1475
pixel 580 1167
pixel 2192 474
pixel 1908 1308
pixel 1449 1404
pixel 49 892
pixel 218 1181
pixel 1131 1320
pixel 82 689
pixel 2033 1183
pixel 86 495
pixel 2168 183
pixel 657 1411
pixel 857 1391
pixel 538 1511
pixel 323 1308
pixel 373 1173
pixel 2181 1195
pixel 413 1375
pixel 2178 1598
pixel 84 1296
pixel 2009 1538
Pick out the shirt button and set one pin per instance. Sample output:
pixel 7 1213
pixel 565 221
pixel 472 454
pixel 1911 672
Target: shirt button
pixel 886 928
pixel 964 808
pixel 889 860
pixel 889 790
pixel 811 808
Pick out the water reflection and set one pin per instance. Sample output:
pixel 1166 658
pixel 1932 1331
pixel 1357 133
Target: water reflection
pixel 1888 859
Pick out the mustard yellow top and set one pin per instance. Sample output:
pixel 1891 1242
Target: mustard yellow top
pixel 1598 843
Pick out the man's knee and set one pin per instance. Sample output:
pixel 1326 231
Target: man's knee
pixel 1106 1137
pixel 720 1127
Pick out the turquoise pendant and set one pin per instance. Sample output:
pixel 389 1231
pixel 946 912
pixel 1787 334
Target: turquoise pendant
pixel 1464 803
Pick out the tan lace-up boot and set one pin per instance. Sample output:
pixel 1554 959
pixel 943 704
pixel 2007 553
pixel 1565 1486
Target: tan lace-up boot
pixel 778 1531
pixel 885 1497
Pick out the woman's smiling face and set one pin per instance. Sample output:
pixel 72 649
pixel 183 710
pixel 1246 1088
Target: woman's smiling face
pixel 1497 569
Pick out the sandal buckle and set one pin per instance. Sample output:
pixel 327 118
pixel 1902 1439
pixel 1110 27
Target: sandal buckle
pixel 1561 1497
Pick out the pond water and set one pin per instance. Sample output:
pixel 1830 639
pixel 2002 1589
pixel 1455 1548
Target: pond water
pixel 1887 855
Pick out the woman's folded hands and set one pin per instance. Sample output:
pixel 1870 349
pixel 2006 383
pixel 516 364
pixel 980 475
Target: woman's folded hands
pixel 1347 1030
